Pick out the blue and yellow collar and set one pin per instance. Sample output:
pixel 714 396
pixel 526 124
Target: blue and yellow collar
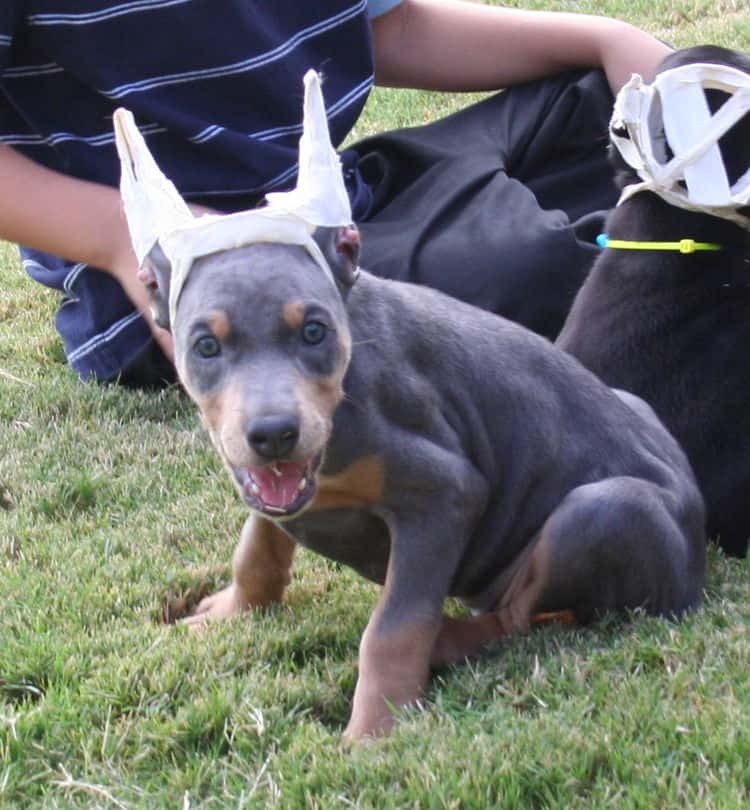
pixel 681 246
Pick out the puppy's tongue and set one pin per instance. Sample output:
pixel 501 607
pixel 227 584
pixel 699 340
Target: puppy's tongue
pixel 279 483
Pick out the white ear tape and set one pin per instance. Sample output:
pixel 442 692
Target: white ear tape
pixel 320 195
pixel 153 206
pixel 695 178
pixel 156 212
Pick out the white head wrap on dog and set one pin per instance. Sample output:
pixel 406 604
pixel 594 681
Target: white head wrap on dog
pixel 695 177
pixel 156 212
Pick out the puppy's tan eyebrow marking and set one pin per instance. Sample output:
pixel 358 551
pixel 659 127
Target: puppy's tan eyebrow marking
pixel 217 321
pixel 293 314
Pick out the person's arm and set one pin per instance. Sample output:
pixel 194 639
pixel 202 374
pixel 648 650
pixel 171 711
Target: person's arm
pixel 77 220
pixel 455 45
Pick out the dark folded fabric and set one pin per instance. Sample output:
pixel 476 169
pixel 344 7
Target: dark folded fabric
pixel 498 204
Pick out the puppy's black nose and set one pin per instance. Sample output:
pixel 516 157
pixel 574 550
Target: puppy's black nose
pixel 273 436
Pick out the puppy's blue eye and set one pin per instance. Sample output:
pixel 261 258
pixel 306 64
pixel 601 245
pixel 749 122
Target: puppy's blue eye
pixel 207 346
pixel 313 332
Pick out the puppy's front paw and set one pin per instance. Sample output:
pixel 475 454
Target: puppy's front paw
pixel 368 725
pixel 223 604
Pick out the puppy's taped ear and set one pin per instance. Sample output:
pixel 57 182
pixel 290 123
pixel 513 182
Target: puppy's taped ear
pixel 340 246
pixel 156 274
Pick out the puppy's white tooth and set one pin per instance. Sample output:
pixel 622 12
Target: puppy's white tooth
pixel 276 509
pixel 276 471
pixel 254 488
pixel 302 484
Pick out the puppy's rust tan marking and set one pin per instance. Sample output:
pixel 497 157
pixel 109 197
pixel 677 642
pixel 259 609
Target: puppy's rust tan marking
pixel 559 616
pixel 216 407
pixel 322 394
pixel 293 314
pixel 217 321
pixel 262 562
pixel 524 597
pixel 360 484
pixel 222 414
pixel 393 671
pixel 460 639
pixel 262 570
pixel 317 400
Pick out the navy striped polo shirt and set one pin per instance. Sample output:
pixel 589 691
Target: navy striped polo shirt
pixel 216 89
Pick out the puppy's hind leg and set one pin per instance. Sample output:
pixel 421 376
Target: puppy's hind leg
pixel 617 544
pixel 261 570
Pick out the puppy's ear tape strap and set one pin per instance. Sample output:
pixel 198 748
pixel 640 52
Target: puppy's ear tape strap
pixel 152 204
pixel 156 212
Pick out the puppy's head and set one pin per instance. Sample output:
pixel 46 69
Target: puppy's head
pixel 262 345
pixel 734 144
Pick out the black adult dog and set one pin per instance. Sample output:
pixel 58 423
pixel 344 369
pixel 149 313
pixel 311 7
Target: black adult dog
pixel 675 328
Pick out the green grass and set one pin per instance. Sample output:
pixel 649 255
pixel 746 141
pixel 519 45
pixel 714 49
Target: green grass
pixel 114 509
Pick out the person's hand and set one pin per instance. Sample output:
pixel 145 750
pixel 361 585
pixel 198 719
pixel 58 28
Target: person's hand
pixel 82 221
pixel 124 267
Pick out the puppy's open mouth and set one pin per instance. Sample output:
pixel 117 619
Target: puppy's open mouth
pixel 279 489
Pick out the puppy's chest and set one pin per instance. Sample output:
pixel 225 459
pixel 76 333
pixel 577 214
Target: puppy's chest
pixel 340 523
pixel 356 538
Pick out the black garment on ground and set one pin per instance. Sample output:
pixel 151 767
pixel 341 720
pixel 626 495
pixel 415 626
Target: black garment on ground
pixel 149 369
pixel 498 204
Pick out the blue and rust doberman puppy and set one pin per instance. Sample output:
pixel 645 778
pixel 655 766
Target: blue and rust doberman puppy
pixel 674 328
pixel 437 449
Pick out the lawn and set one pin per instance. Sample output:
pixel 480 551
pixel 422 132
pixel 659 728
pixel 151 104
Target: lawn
pixel 115 513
